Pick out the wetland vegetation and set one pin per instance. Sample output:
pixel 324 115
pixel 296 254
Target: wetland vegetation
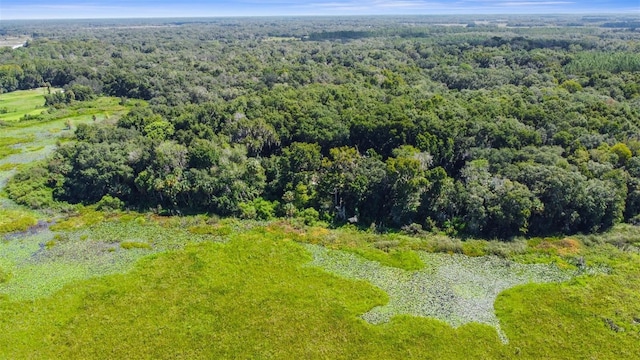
pixel 359 187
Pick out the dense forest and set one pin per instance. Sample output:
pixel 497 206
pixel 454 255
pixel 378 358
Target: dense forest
pixel 490 129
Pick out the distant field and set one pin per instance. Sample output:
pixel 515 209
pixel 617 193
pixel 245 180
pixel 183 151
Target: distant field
pixel 25 141
pixel 15 105
pixel 13 41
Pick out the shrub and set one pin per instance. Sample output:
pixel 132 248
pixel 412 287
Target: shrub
pixel 310 216
pixel 289 210
pixel 258 209
pixel 412 229
pixel 247 211
pixel 445 244
pixel 474 248
pixel 29 187
pixel 109 203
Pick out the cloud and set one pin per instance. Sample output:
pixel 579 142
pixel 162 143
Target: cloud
pixel 535 3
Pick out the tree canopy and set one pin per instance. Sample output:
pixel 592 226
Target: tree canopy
pixel 481 131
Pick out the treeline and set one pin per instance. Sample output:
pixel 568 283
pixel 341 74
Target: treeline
pixel 478 132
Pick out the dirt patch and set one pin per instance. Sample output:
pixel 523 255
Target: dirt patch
pixel 13 41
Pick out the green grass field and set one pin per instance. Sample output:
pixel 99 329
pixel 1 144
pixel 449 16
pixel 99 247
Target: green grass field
pixel 25 141
pixel 257 294
pixel 17 104
pixel 87 284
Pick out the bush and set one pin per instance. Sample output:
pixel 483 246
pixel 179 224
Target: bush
pixel 310 216
pixel 29 187
pixel 412 229
pixel 109 203
pixel 265 210
pixel 474 248
pixel 248 211
pixel 445 244
pixel 258 209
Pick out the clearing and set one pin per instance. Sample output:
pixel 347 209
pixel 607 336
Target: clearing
pixel 15 105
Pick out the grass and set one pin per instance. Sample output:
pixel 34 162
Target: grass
pixel 249 298
pixel 127 245
pixel 596 317
pixel 260 295
pixel 15 105
pixel 9 145
pixel 456 289
pixel 85 246
pixel 16 220
pixel 4 276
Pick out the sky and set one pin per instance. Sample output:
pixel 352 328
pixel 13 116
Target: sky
pixel 75 9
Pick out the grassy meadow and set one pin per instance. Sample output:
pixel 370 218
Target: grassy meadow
pixel 89 284
pixel 15 105
pixel 24 140
pixel 261 292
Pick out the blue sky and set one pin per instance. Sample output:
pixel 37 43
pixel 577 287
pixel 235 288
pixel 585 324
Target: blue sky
pixel 67 9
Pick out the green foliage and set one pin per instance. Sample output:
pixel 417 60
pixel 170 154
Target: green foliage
pixel 8 145
pixel 385 129
pixel 81 92
pixel 623 152
pixel 21 104
pixel 350 181
pixel 4 276
pixel 159 130
pixel 15 220
pixel 127 245
pixel 30 187
pixel 310 216
pixel 258 209
pixel 214 230
pixel 571 86
pixel 298 165
pixel 108 203
pixel 613 62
